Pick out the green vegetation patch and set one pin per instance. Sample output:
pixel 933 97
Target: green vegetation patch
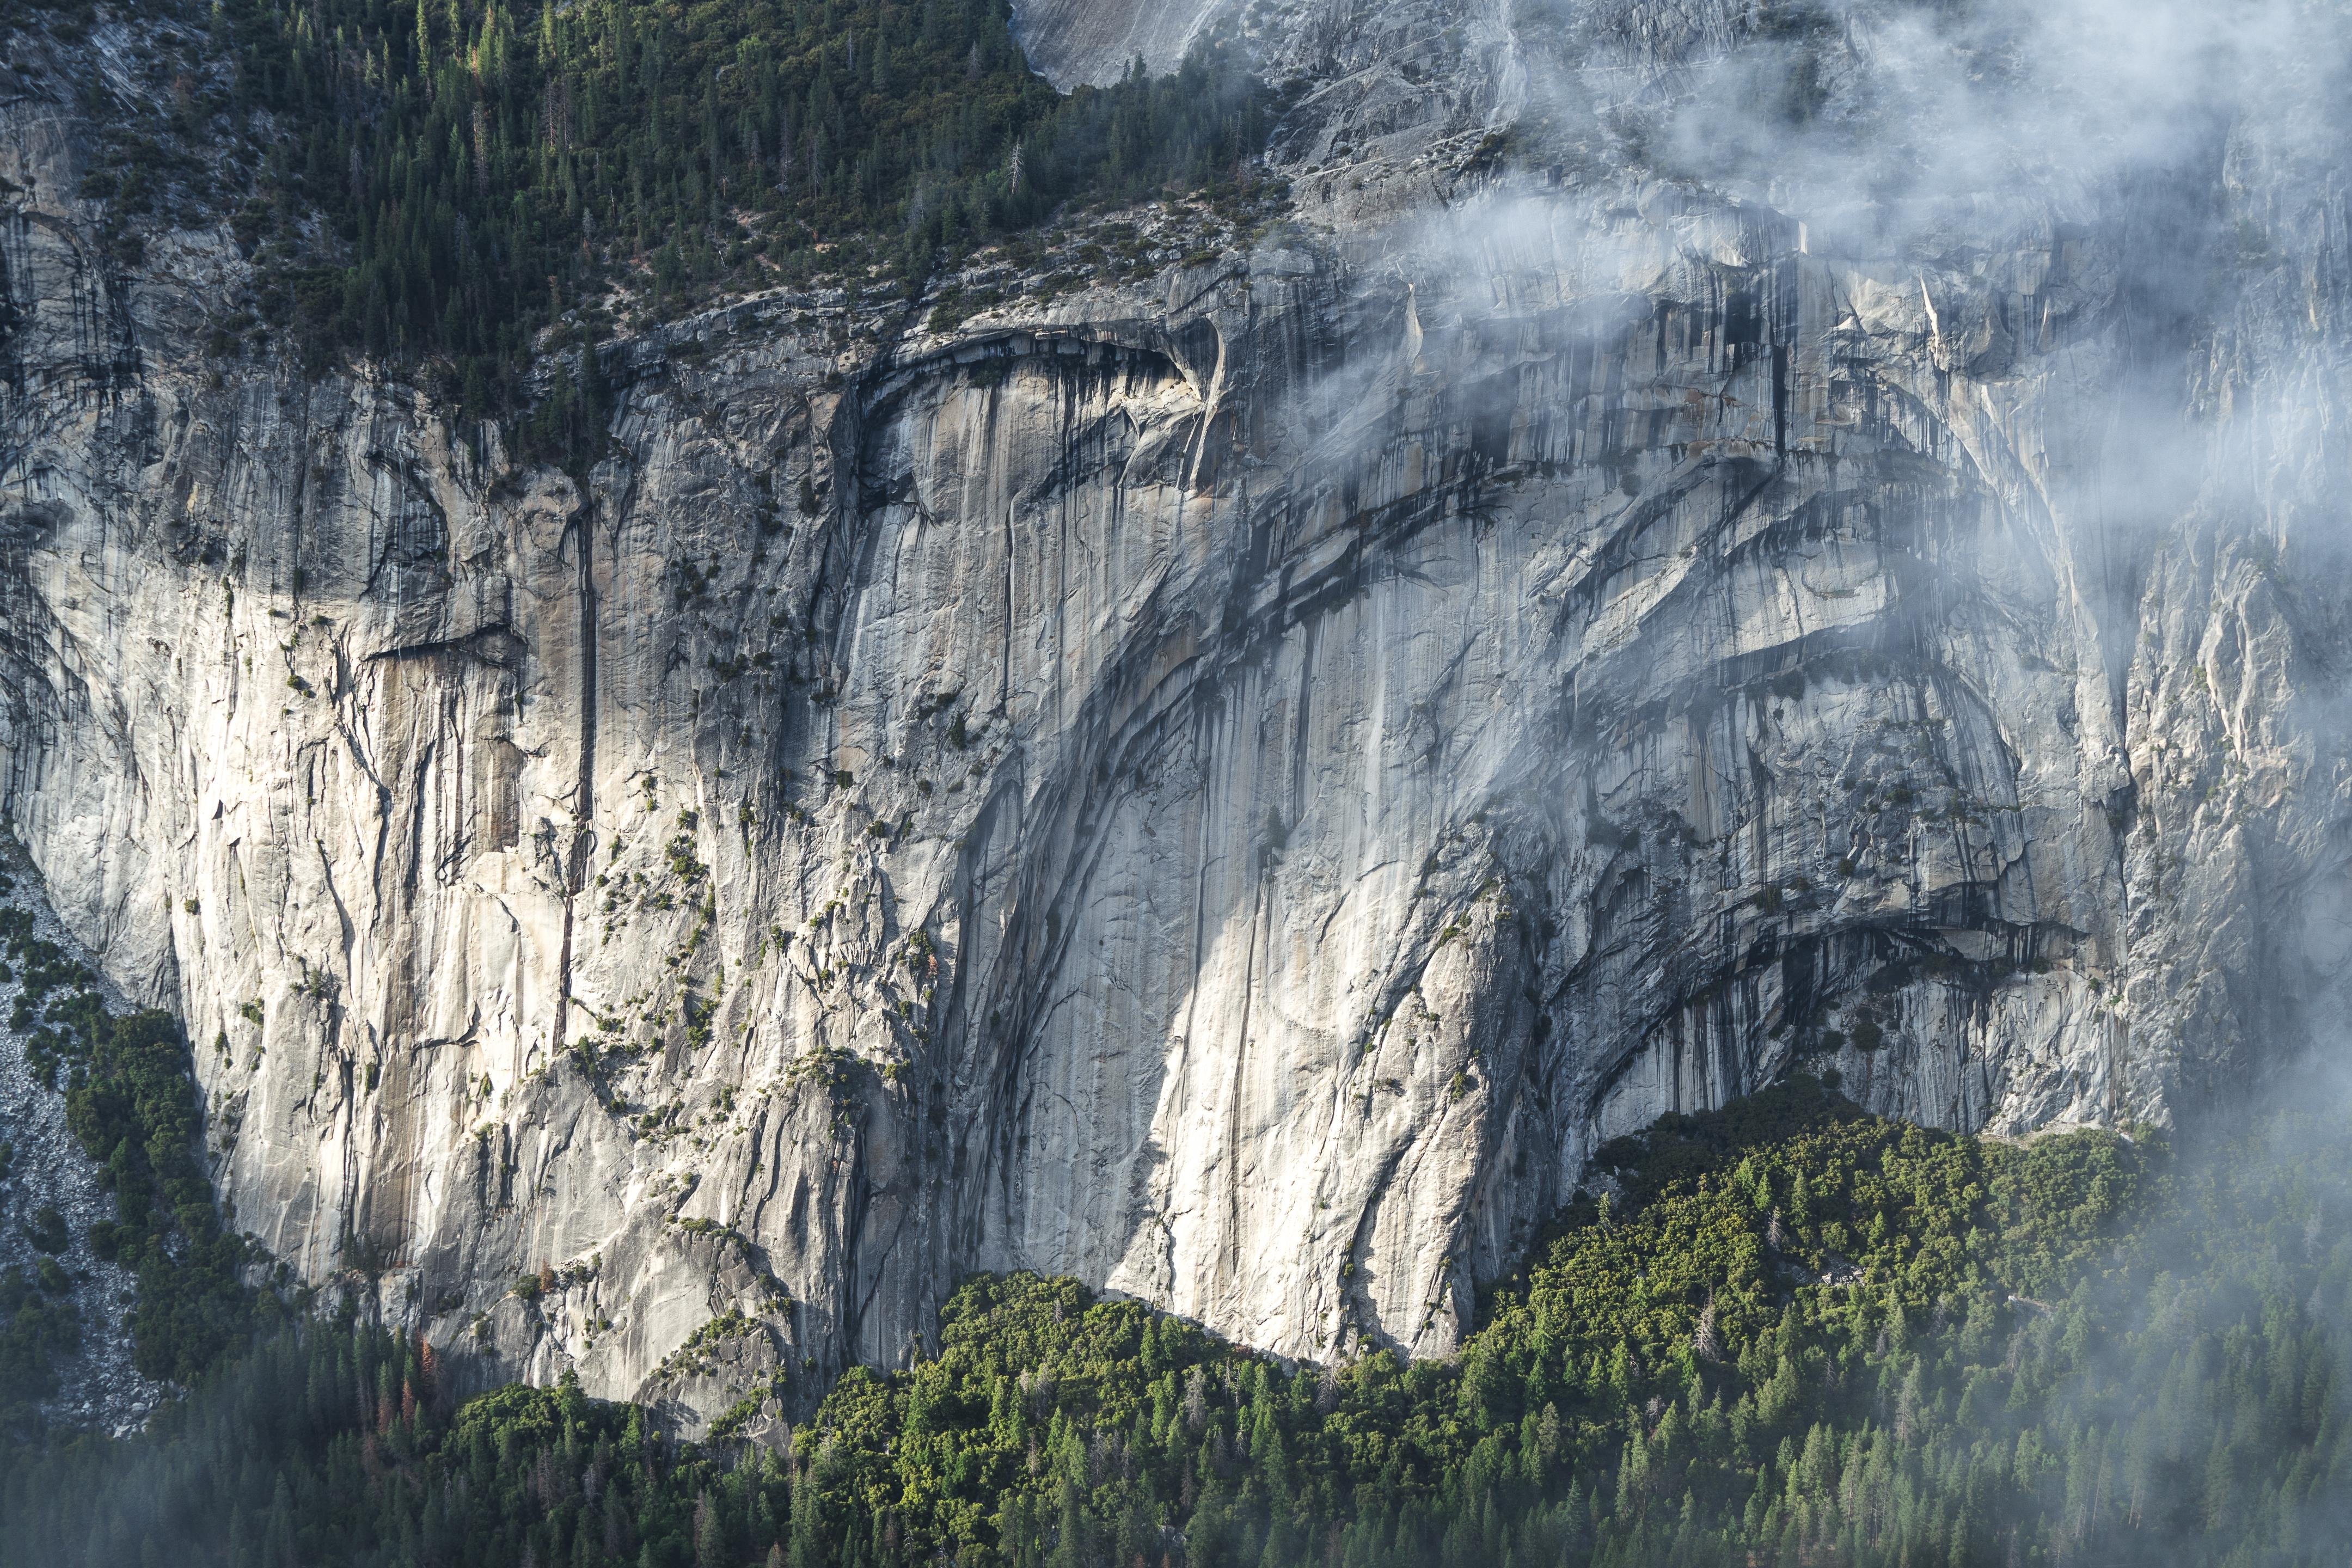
pixel 432 182
pixel 38 1329
pixel 131 1103
pixel 132 1106
pixel 1764 1271
pixel 1791 1333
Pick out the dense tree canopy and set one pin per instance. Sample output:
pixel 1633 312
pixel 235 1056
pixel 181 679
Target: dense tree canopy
pixel 434 182
pixel 1794 1333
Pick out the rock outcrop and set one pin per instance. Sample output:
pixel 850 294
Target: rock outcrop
pixel 1228 786
pixel 1073 43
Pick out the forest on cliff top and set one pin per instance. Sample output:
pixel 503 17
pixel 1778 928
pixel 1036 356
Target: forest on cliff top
pixel 436 184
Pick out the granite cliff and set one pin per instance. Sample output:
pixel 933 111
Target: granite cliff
pixel 1230 785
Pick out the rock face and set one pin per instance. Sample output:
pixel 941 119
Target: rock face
pixel 1073 41
pixel 1228 786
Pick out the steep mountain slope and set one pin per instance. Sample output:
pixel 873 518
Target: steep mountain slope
pixel 1230 785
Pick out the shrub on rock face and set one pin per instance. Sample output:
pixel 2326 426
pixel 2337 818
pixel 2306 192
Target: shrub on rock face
pixel 47 1232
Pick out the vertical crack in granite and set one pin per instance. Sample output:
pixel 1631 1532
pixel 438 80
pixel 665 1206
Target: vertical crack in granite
pixel 582 537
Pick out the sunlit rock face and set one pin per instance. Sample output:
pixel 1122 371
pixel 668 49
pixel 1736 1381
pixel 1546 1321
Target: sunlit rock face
pixel 1231 785
pixel 1079 42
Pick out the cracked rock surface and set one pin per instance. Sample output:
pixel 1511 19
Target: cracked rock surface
pixel 1228 785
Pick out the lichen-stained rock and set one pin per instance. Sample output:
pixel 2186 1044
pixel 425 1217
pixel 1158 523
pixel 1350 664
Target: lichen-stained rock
pixel 1229 786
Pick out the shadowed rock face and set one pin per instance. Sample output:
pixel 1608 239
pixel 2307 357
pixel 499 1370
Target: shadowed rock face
pixel 1229 787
